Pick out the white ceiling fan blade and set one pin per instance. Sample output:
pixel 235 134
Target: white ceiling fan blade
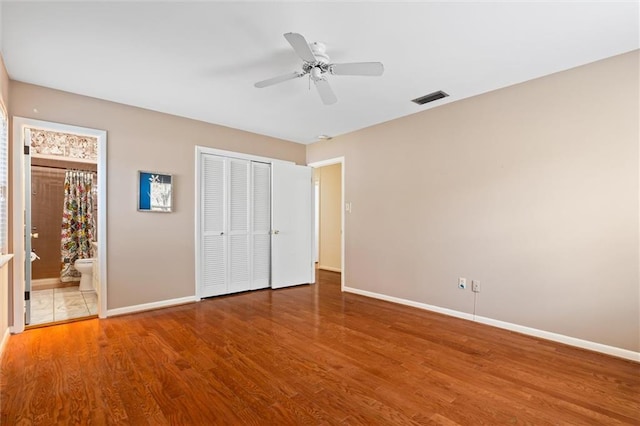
pixel 325 91
pixel 301 46
pixel 279 79
pixel 358 68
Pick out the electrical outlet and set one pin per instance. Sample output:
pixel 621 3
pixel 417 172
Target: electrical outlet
pixel 462 283
pixel 475 286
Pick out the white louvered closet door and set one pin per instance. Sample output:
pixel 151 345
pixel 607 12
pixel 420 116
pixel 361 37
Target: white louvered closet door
pixel 240 201
pixel 213 279
pixel 261 225
pixel 239 249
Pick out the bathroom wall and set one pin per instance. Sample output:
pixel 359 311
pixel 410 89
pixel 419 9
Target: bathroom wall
pixel 4 81
pixel 64 145
pixel 150 256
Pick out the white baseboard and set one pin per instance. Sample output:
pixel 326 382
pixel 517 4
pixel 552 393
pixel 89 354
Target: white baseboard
pixel 150 306
pixel 561 338
pixel 44 281
pixel 555 337
pixel 418 305
pixel 5 339
pixel 329 268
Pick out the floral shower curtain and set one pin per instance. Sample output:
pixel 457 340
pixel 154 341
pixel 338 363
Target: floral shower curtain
pixel 77 222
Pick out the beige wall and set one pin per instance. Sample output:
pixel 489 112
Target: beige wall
pixel 150 255
pixel 5 293
pixel 330 178
pixel 4 83
pixel 532 189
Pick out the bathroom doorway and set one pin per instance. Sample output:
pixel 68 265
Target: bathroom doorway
pixel 60 244
pixel 62 192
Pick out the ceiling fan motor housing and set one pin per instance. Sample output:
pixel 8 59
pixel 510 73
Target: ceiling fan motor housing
pixel 319 50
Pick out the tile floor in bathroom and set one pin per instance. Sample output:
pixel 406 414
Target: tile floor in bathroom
pixel 59 304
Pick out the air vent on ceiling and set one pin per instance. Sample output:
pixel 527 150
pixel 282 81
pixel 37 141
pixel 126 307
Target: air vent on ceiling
pixel 430 97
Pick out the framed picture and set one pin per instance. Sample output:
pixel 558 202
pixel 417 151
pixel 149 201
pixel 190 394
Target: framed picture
pixel 155 192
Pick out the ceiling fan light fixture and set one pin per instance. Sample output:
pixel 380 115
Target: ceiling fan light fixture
pixel 316 73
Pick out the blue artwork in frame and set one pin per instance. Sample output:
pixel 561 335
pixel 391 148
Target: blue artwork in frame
pixel 155 192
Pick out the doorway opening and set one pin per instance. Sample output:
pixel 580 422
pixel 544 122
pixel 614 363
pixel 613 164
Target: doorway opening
pixel 329 213
pixel 63 200
pixel 59 222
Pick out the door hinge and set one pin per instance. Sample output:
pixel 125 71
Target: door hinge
pixel 27 295
pixel 26 149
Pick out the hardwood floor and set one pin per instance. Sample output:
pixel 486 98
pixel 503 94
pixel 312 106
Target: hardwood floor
pixel 306 355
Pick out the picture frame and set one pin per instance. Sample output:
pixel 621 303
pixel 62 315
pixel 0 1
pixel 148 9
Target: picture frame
pixel 155 192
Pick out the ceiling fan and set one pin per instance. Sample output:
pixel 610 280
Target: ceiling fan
pixel 316 65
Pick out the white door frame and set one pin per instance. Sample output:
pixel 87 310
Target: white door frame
pixel 19 124
pixel 330 162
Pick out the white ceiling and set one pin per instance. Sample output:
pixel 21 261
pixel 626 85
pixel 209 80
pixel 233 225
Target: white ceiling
pixel 201 59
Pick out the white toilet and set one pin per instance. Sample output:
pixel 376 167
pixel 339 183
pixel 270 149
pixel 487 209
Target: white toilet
pixel 85 267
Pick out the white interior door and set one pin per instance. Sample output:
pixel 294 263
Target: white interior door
pixel 27 227
pixel 261 225
pixel 238 238
pixel 292 230
pixel 213 280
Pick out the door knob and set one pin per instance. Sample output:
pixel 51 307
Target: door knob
pixel 276 231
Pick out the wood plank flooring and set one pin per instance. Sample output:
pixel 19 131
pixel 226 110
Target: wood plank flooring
pixel 306 355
